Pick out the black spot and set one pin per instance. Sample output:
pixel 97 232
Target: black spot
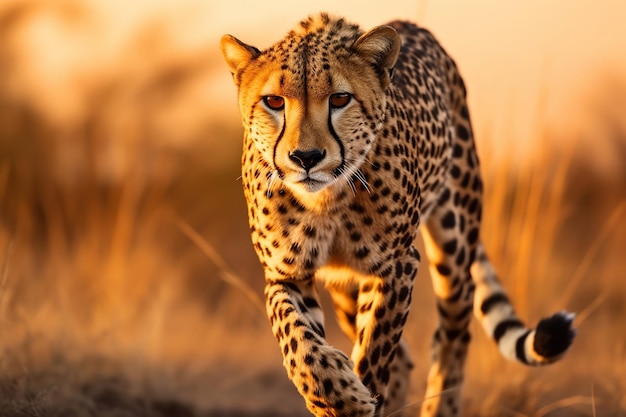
pixel 443 269
pixel 363 365
pixel 477 184
pixel 455 171
pixel 375 356
pixel 457 151
pixel 462 133
pixel 368 378
pixel 386 348
pixel 384 376
pixel 377 331
pixel 356 207
pixel 452 334
pixel 297 204
pixel 450 247
pixel 448 221
pixel 294 345
pixel 473 206
pixel 319 404
pixel 403 294
pixel 398 269
pixel 444 197
pixel 310 302
pixel 386 272
pixel 472 236
pixel 295 248
pixel 397 320
pixel 328 386
pixel 466 179
pixel 324 362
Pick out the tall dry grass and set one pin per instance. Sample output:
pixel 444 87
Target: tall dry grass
pixel 128 285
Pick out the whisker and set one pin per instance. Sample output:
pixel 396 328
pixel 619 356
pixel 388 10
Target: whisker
pixel 271 182
pixel 361 177
pixel 349 179
pixel 352 186
pixel 357 173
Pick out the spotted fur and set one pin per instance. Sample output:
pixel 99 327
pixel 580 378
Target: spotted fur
pixel 352 140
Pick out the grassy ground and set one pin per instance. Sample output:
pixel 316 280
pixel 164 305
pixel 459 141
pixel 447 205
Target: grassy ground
pixel 128 286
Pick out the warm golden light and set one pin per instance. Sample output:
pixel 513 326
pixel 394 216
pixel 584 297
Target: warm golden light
pixel 126 273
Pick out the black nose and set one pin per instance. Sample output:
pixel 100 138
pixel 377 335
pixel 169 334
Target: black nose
pixel 307 159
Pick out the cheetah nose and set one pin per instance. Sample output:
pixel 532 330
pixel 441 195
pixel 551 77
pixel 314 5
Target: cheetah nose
pixel 307 159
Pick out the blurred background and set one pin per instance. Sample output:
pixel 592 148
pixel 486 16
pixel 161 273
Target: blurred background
pixel 128 285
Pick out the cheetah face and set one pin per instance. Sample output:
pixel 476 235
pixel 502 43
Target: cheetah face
pixel 312 106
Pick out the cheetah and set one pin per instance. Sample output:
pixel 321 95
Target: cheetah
pixel 352 140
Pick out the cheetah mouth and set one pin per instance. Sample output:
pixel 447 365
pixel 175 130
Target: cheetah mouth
pixel 309 182
pixel 312 185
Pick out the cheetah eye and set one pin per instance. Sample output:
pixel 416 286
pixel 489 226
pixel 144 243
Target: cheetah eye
pixel 339 100
pixel 274 102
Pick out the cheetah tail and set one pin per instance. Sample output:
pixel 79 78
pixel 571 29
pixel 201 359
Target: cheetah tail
pixel 543 345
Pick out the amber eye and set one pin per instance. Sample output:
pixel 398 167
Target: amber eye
pixel 274 102
pixel 339 100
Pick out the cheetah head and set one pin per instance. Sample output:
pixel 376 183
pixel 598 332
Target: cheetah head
pixel 312 104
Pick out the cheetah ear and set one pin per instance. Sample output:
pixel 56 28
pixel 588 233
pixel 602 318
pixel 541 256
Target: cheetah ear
pixel 236 53
pixel 380 46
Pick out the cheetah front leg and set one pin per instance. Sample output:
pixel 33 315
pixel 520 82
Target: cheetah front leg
pixel 345 299
pixel 382 310
pixel 322 374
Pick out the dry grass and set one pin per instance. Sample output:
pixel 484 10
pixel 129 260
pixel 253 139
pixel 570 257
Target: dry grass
pixel 135 291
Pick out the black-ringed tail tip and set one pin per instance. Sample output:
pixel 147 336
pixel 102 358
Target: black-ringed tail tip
pixel 554 335
pixel 544 345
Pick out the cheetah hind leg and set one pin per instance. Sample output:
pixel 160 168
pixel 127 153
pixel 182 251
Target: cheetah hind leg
pixel 458 293
pixel 345 299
